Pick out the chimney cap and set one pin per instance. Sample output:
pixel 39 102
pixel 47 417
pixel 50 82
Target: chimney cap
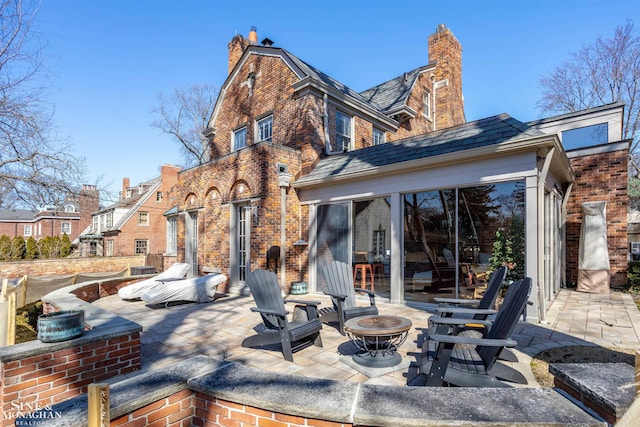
pixel 267 42
pixel 253 35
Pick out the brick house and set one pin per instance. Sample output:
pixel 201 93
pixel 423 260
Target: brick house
pixel 135 224
pixel 392 176
pixel 70 217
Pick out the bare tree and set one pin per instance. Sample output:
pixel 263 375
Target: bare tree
pixel 185 115
pixel 604 72
pixel 36 168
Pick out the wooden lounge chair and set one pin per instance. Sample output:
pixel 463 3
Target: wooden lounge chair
pixel 277 329
pixel 342 291
pixel 467 361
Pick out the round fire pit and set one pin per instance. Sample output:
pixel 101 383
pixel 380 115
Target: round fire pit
pixel 378 338
pixel 60 325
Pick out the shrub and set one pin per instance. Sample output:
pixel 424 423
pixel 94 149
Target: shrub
pixel 32 249
pixel 18 248
pixel 633 277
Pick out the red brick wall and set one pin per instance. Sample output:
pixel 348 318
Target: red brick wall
pixel 55 377
pixel 255 171
pixel 173 411
pixel 211 411
pixel 600 177
pixel 55 267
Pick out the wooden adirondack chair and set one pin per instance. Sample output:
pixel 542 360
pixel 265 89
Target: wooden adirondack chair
pixel 475 309
pixel 468 361
pixel 342 291
pixel 292 335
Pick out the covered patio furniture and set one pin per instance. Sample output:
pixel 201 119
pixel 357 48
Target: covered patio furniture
pixel 291 336
pixel 197 289
pixel 468 361
pixel 342 292
pixel 176 272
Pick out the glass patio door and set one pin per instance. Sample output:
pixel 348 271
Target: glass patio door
pixel 243 244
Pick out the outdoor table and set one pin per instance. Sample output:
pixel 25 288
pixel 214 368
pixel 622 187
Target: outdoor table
pixel 378 338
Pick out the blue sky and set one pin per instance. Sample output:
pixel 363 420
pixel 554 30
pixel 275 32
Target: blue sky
pixel 109 59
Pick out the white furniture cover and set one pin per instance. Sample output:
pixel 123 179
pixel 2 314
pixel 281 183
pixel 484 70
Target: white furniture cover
pixel 197 289
pixel 593 256
pixel 175 272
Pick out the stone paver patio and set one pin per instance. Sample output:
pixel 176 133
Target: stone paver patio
pixel 175 333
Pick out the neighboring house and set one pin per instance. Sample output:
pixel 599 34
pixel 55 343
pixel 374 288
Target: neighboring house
pixel 135 224
pixel 70 218
pixel 303 162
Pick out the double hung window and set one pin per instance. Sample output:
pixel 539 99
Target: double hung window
pixel 378 136
pixel 343 131
pixel 265 129
pixel 240 138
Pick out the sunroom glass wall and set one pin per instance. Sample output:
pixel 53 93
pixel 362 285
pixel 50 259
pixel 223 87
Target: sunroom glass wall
pixel 489 225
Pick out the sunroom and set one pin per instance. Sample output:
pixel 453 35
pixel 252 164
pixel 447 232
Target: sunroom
pixel 433 215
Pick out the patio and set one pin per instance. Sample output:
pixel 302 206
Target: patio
pixel 177 332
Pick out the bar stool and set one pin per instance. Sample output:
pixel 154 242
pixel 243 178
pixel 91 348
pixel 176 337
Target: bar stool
pixel 364 269
pixel 378 271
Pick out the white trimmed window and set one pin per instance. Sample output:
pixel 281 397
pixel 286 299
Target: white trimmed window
pixel 172 235
pixel 141 247
pixel 65 227
pixel 109 248
pixel 240 138
pixel 143 218
pixel 109 219
pixel 426 104
pixel 378 136
pixel 343 131
pixel 264 129
pixel 27 230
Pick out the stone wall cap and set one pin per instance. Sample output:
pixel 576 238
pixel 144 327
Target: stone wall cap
pixel 610 385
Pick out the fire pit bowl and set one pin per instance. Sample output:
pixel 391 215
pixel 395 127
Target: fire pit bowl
pixel 60 325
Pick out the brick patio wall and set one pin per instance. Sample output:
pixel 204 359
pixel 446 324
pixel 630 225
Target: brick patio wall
pixel 600 177
pixel 56 267
pixel 32 378
pixel 211 411
pixel 54 377
pixel 188 408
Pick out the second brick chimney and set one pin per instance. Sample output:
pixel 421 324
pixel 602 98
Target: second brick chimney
pixel 446 50
pixel 237 46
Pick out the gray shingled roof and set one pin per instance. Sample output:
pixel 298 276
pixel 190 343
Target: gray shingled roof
pixel 394 94
pixel 17 215
pixel 316 74
pixel 490 131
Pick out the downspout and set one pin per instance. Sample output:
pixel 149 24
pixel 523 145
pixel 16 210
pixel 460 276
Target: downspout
pixel 325 121
pixel 433 90
pixel 541 183
pixel 565 201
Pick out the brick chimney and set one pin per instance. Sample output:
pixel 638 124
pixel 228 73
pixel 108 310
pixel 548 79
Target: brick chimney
pixel 89 202
pixel 446 51
pixel 237 46
pixel 125 187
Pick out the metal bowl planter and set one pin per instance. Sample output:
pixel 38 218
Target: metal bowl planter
pixel 60 325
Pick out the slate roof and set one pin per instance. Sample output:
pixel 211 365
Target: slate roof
pixel 392 95
pixel 17 215
pixel 481 133
pixel 316 74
